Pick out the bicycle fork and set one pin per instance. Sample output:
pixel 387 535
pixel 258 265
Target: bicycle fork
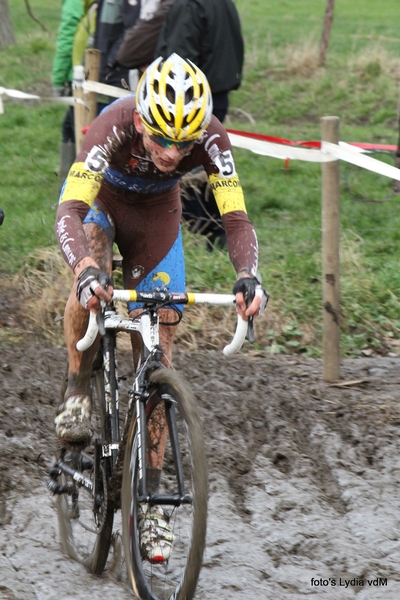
pixel 144 496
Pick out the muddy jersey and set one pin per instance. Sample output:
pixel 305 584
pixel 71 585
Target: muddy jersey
pixel 114 169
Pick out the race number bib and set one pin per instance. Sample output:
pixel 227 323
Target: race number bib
pixel 225 164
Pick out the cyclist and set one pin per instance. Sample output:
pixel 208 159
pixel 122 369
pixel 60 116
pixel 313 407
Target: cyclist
pixel 124 188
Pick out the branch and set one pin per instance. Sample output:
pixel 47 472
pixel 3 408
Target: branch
pixel 326 32
pixel 30 13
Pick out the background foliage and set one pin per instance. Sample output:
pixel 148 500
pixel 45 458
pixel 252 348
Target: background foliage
pixel 284 93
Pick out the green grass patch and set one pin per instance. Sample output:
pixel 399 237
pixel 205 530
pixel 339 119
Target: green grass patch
pixel 284 93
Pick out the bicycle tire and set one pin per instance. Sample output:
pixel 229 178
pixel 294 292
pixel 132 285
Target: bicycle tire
pixel 178 577
pixel 86 534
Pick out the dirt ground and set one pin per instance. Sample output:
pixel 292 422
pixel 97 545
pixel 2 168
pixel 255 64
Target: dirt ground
pixel 304 477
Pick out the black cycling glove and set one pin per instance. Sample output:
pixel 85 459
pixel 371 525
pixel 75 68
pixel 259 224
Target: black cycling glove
pixel 88 280
pixel 250 287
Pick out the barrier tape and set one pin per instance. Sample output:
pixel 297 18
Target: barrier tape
pixel 67 100
pixel 104 89
pixel 352 156
pixel 277 150
pixel 311 151
pixel 363 147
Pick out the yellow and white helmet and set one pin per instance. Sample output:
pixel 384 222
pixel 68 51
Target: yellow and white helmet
pixel 173 99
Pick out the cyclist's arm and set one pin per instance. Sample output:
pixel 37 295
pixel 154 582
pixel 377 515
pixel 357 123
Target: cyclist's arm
pixel 73 244
pixel 220 166
pixel 241 236
pixel 105 135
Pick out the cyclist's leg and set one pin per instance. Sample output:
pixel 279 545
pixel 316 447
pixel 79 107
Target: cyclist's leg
pixel 169 273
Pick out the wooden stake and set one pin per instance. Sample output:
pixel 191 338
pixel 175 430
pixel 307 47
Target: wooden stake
pixel 330 256
pixel 79 108
pixel 396 183
pixel 92 67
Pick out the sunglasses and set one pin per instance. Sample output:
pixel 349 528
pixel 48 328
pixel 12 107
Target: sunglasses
pixel 166 143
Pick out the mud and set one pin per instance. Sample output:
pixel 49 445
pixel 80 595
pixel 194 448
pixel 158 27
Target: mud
pixel 304 478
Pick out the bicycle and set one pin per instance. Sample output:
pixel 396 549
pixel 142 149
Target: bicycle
pixel 92 483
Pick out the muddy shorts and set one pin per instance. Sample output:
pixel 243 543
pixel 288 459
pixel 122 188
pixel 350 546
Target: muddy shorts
pixel 149 239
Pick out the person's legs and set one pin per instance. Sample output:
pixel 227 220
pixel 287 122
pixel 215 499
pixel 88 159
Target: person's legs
pixel 199 208
pixel 156 537
pixel 67 147
pixel 220 105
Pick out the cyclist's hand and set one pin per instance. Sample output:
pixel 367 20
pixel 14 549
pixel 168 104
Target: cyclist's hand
pixel 251 298
pixel 92 286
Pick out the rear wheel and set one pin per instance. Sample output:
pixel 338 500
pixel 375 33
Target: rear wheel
pixel 178 576
pixel 85 515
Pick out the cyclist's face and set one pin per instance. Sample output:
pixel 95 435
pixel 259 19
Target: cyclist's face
pixel 165 159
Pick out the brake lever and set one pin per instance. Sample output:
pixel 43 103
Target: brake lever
pixel 104 282
pixel 100 318
pixel 250 322
pixel 250 330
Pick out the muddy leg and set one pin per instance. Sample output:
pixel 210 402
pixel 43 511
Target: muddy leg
pixel 157 428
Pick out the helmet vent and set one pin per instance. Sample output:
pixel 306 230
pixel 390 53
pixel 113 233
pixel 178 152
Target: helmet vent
pixel 189 95
pixel 170 93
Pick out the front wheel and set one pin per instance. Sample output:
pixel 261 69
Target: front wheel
pixel 170 401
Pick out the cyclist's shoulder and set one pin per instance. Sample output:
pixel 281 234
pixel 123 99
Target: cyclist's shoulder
pixel 113 125
pixel 120 107
pixel 215 134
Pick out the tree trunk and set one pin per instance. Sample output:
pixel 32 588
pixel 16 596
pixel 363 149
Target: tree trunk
pixel 6 31
pixel 327 30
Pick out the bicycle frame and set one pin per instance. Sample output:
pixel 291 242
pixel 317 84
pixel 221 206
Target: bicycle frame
pixel 147 325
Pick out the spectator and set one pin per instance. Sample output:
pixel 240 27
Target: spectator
pixel 75 34
pixel 139 43
pixel 212 40
pixel 207 32
pixel 114 17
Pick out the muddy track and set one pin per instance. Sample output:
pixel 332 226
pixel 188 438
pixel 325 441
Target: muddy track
pixel 304 478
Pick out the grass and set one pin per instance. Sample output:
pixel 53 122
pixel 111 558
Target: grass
pixel 284 93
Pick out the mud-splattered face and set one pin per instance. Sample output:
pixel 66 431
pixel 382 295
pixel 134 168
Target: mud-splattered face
pixel 165 159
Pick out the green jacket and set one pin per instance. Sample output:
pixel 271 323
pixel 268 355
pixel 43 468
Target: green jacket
pixel 77 25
